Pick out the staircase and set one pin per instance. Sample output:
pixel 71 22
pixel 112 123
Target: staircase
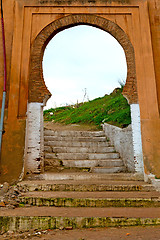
pixel 67 196
pixel 70 204
pixel 82 151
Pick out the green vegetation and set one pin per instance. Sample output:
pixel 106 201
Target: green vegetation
pixel 112 109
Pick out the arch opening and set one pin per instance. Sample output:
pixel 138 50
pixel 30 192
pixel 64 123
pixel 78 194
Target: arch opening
pixel 39 94
pixel 82 61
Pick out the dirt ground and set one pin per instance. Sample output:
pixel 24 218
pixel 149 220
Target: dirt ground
pixel 129 233
pixel 77 127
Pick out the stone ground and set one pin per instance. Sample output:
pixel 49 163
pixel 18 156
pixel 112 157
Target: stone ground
pixel 129 233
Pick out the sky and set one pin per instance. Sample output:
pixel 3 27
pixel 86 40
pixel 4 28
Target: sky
pixel 82 63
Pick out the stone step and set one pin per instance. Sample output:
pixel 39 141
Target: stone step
pixel 85 163
pixel 91 199
pixel 43 218
pixel 105 169
pixel 79 139
pixel 83 176
pixel 85 186
pixel 76 144
pixel 93 163
pixel 86 202
pixel 77 149
pixel 151 196
pixel 50 149
pixel 65 133
pixel 81 156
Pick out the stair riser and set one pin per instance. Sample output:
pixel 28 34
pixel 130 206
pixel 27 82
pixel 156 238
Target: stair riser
pixel 84 187
pixel 26 223
pixel 108 170
pixel 76 202
pixel 86 163
pixel 79 139
pixel 92 163
pixel 81 156
pixel 52 163
pixel 50 149
pixel 73 133
pixel 76 144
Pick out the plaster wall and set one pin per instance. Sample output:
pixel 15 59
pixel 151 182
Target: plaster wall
pixel 122 141
pixel 25 19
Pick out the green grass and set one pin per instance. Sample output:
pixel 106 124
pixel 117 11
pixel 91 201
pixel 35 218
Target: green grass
pixel 112 109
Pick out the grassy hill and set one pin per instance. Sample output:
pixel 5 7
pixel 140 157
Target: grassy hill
pixel 112 109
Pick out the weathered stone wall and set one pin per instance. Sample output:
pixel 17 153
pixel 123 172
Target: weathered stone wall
pixel 25 20
pixel 128 141
pixel 123 143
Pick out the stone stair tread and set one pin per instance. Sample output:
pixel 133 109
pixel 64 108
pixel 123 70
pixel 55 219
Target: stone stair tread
pixel 80 139
pixel 78 149
pixel 83 163
pixel 48 132
pixel 82 156
pixel 79 153
pixel 108 169
pixel 107 159
pixel 116 212
pixel 86 176
pixel 87 182
pixel 76 144
pixel 94 195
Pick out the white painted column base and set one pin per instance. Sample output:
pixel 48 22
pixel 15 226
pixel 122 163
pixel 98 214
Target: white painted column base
pixel 151 178
pixel 136 135
pixel 34 146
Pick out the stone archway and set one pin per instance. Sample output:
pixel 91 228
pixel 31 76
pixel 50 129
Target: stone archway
pixel 39 94
pixel 37 89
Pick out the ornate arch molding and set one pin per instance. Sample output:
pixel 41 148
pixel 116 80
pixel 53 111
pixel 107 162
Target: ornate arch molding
pixel 38 91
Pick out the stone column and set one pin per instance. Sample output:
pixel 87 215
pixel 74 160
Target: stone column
pixel 137 141
pixel 34 146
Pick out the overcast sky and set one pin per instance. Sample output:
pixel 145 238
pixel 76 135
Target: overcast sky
pixel 79 58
